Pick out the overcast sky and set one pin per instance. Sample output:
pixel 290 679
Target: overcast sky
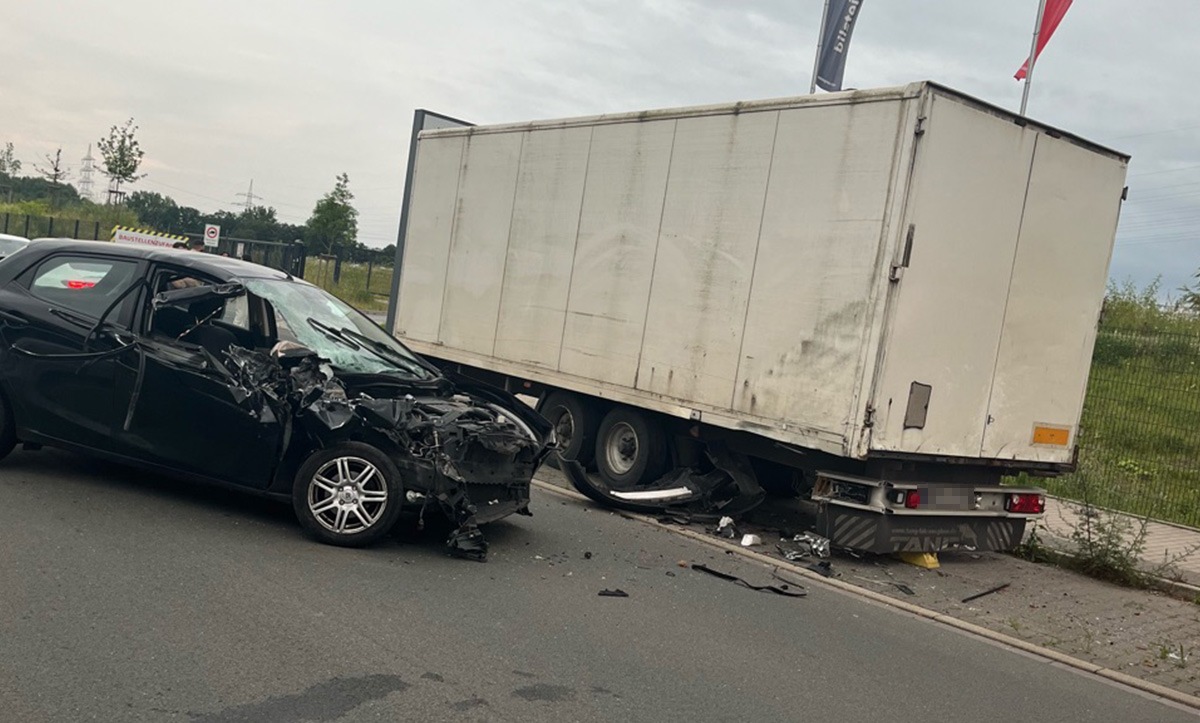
pixel 290 93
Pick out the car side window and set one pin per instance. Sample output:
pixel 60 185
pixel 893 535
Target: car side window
pixel 237 312
pixel 84 284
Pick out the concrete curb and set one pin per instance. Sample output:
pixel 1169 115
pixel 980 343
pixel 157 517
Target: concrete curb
pixel 1153 689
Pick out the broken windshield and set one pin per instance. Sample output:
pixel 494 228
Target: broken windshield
pixel 335 330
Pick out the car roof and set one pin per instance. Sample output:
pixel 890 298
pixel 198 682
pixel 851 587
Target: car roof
pixel 11 237
pixel 223 267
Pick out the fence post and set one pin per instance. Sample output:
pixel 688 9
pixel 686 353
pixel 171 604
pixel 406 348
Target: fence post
pixel 369 265
pixel 26 234
pixel 6 223
pixel 337 269
pixel 76 234
pixel 50 228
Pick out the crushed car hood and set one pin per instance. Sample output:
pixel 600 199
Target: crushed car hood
pixel 467 448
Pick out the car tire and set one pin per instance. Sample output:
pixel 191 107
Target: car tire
pixel 631 449
pixel 575 420
pixel 348 495
pixel 8 428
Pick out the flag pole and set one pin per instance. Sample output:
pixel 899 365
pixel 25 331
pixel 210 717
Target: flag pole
pixel 812 86
pixel 1037 28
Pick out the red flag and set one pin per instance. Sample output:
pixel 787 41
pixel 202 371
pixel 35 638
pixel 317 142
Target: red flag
pixel 1053 15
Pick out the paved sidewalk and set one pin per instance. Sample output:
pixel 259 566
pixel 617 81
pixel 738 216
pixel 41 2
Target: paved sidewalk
pixel 1165 544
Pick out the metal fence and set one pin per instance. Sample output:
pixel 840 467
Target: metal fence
pixel 1140 433
pixel 364 285
pixel 51 226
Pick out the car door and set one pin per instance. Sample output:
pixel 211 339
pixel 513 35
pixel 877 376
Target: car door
pixel 183 410
pixel 58 367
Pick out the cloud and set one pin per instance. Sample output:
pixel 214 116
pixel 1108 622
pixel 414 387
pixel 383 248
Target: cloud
pixel 291 93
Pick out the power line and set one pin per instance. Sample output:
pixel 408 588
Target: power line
pixel 86 168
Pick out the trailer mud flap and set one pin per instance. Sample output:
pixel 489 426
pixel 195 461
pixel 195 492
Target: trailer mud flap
pixel 870 531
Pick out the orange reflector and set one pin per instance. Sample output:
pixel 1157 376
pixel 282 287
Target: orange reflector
pixel 1057 436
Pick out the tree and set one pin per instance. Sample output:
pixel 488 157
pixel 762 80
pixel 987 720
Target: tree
pixel 333 226
pixel 122 156
pixel 256 222
pixel 9 165
pixel 155 210
pixel 54 172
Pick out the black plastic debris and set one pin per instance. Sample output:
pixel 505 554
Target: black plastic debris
pixel 904 588
pixel 823 568
pixel 468 543
pixel 785 590
pixel 587 555
pixel 978 595
pixel 613 593
pixel 675 518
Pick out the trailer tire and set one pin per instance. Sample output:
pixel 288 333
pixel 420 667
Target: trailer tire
pixel 575 420
pixel 631 449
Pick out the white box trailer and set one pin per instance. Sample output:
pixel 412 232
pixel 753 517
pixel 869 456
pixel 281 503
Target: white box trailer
pixel 894 292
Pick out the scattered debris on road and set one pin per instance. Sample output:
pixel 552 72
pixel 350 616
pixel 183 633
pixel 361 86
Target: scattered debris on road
pixel 751 540
pixel 613 593
pixel 726 529
pixel 823 568
pixel 785 590
pixel 976 596
pixel 804 545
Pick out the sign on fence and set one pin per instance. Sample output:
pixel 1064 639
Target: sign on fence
pixel 144 237
pixel 212 235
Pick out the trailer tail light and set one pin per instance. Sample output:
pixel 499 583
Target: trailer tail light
pixel 912 499
pixel 1029 504
pixel 80 284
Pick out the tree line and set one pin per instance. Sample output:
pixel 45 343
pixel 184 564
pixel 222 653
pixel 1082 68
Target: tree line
pixel 332 227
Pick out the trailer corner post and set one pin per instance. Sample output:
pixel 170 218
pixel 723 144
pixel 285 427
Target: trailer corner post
pixel 394 295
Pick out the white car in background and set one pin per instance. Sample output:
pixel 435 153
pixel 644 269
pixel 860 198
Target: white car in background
pixel 10 244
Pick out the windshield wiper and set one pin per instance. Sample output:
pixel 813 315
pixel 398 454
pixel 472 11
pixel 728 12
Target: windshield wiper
pixel 380 349
pixel 332 333
pixel 358 342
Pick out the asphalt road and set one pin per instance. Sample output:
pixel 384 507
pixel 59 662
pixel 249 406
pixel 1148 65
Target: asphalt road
pixel 126 596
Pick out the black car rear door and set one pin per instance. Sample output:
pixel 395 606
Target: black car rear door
pixel 58 368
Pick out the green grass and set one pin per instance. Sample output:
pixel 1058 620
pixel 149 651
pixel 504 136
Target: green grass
pixel 1140 438
pixel 39 215
pixel 352 285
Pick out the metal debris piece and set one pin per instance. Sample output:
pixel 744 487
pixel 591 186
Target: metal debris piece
pixel 613 593
pixel 978 595
pixel 784 590
pixel 751 540
pixel 904 588
pixel 804 545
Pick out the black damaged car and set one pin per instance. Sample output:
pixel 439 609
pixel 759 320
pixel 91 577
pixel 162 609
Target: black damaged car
pixel 224 371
